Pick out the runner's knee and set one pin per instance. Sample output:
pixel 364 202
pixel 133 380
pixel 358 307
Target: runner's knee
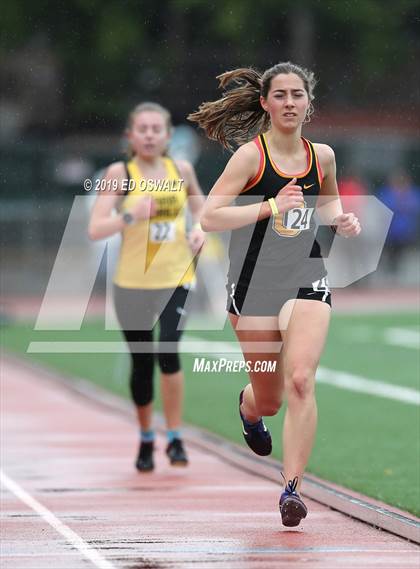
pixel 142 365
pixel 141 380
pixel 169 363
pixel 300 383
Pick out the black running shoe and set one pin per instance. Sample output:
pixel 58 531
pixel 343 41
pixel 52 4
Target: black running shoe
pixel 176 453
pixel 144 461
pixel 292 508
pixel 256 435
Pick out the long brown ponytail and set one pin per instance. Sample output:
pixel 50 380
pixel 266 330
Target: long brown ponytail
pixel 238 116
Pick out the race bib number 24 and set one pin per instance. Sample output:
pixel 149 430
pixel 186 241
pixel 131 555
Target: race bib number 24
pixel 292 222
pixel 298 218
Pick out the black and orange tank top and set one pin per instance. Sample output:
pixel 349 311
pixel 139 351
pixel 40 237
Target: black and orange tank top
pixel 279 251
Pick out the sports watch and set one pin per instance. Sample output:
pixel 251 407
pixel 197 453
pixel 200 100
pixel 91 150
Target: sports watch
pixel 128 218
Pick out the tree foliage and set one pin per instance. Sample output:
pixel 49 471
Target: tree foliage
pixel 113 53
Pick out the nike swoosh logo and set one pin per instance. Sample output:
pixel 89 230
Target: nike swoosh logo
pixel 305 187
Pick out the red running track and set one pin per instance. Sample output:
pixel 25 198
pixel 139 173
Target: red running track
pixel 93 509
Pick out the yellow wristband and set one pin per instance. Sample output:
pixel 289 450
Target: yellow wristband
pixel 197 226
pixel 273 206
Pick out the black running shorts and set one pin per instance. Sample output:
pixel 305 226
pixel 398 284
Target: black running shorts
pixel 247 301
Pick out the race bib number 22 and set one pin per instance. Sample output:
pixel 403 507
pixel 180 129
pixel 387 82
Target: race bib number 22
pixel 162 231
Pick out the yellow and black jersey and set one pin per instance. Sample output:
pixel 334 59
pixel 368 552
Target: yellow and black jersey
pixel 281 250
pixel 155 252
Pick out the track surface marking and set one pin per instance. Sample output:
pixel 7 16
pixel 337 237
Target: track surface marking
pixel 76 460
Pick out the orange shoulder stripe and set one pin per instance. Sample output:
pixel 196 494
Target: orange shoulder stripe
pixel 254 181
pixel 319 169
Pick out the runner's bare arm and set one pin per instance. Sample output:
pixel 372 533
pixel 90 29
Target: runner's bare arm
pixel 196 201
pixel 218 214
pixel 329 203
pixel 193 188
pixel 102 221
pixel 329 206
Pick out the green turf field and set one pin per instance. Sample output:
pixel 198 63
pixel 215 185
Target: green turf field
pixel 365 441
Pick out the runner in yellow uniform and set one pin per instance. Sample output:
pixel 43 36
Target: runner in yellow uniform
pixel 146 202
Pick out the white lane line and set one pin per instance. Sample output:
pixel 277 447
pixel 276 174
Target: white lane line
pixel 361 384
pixel 191 344
pixel 393 336
pixel 402 337
pixel 344 380
pixel 72 537
pixel 232 351
pixel 188 345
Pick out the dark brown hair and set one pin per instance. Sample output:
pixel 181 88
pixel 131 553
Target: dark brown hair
pixel 238 115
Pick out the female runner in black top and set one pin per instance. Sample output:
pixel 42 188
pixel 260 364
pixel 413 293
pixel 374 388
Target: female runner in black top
pixel 278 294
